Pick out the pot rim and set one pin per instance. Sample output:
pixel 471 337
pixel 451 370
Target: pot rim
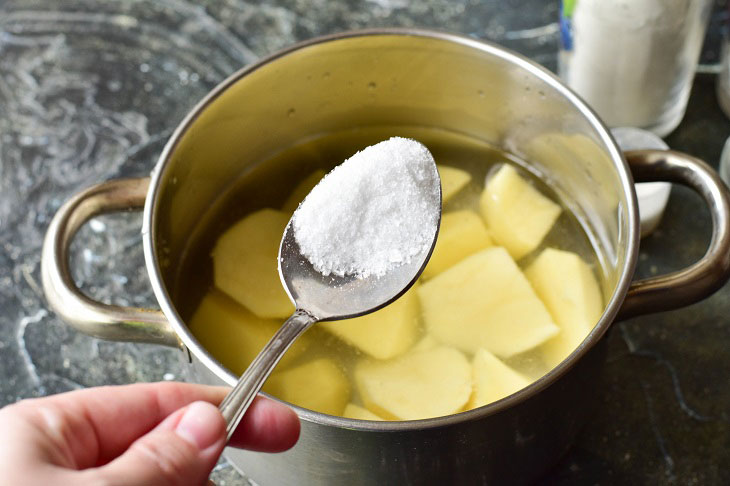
pixel 612 307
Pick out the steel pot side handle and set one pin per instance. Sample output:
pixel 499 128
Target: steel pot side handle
pixel 111 322
pixel 703 278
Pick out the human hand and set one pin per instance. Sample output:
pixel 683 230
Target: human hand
pixel 143 434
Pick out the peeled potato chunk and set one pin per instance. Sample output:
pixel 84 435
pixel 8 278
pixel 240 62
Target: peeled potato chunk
pixel 385 333
pixel 357 412
pixel 485 301
pixel 318 385
pixel 493 379
pixel 462 233
pixel 452 181
pixel 518 215
pixel 233 334
pixel 569 290
pixel 301 191
pixel 417 385
pixel 245 263
pixel 426 343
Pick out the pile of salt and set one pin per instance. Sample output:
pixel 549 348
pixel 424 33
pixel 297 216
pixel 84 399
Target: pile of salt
pixel 370 214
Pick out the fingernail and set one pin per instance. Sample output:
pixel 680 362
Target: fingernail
pixel 199 425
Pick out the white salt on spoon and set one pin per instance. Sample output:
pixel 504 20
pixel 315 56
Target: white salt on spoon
pixel 370 213
pixel 357 242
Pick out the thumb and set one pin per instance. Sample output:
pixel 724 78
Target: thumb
pixel 182 449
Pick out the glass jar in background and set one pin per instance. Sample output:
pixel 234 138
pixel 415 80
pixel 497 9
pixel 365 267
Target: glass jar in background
pixel 633 61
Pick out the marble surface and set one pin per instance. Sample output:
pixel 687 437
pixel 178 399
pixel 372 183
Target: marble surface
pixel 91 90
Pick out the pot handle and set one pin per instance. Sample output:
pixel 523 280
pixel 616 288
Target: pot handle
pixel 701 279
pixel 99 320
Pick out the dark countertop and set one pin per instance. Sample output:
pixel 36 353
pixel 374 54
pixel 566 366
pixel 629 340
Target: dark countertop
pixel 90 90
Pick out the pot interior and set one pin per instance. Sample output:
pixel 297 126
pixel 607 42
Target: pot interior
pixel 381 79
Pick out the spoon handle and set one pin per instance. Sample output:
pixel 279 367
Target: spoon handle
pixel 234 406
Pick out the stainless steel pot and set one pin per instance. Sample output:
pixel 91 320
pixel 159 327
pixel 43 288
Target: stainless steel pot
pixel 400 77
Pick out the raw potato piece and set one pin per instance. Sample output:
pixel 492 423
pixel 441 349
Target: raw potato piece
pixel 493 379
pixel 426 343
pixel 417 385
pixel 569 290
pixel 233 335
pixel 385 333
pixel 357 412
pixel 318 385
pixel 485 301
pixel 245 263
pixel 301 191
pixel 452 181
pixel 518 215
pixel 462 233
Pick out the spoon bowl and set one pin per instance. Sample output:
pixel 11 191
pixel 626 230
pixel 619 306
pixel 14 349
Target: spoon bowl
pixel 331 297
pixel 319 297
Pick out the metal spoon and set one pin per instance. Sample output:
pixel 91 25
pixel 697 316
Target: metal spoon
pixel 321 298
